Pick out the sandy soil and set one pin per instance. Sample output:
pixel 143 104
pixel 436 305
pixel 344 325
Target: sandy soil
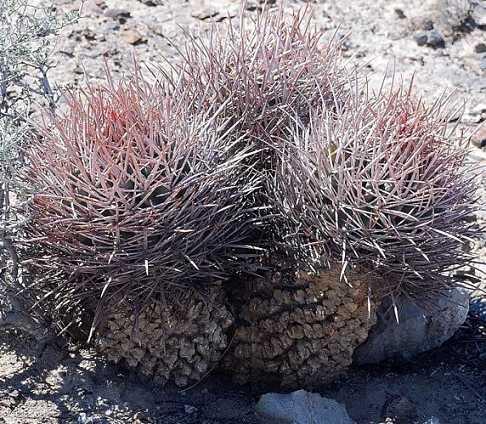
pixel 66 384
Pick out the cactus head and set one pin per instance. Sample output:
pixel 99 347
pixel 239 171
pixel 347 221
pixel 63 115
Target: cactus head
pixel 134 197
pixel 381 182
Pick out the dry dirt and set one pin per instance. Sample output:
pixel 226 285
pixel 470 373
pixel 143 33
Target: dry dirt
pixel 66 384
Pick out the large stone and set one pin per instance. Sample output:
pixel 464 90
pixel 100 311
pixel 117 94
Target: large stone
pixel 419 328
pixel 301 407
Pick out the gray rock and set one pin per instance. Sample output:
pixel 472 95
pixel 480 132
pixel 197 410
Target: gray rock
pixel 435 39
pixel 419 329
pixel 482 61
pixel 421 38
pixel 480 48
pixel 301 407
pixel 400 13
pixel 432 38
pixel 478 307
pixel 478 14
pixel 475 116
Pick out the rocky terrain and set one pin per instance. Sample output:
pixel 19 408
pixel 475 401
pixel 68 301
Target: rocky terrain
pixel 441 44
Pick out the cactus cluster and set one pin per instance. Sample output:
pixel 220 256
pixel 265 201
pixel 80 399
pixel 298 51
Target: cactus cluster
pixel 133 198
pixel 252 195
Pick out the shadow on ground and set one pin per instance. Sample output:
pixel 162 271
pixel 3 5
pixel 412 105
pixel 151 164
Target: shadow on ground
pixel 65 384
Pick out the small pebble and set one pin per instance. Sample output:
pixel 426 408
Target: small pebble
pixel 133 37
pixel 432 38
pixel 479 137
pixel 482 62
pixel 117 13
pixel 400 14
pixel 421 39
pixel 101 4
pixel 189 409
pixel 435 39
pixel 480 48
pixel 428 25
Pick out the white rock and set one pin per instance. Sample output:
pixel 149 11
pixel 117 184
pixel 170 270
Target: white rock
pixel 301 407
pixel 419 328
pixel 432 420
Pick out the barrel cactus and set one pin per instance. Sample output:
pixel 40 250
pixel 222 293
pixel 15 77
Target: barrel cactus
pixel 167 341
pixel 299 329
pixel 382 183
pixel 372 199
pixel 134 201
pixel 263 74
